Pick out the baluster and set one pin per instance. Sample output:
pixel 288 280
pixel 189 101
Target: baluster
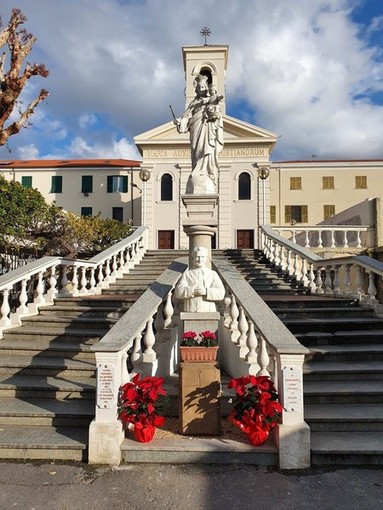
pixel 226 311
pixel 328 282
pixel 307 239
pixel 283 259
pixel 345 240
pixel 5 309
pixel 336 283
pixel 305 279
pixel 320 240
pixel 371 291
pixel 290 262
pixel 297 273
pixel 168 310
pixel 107 272
pixel 252 344
pixel 23 298
pixel 159 322
pixel 39 291
pixel 263 358
pixel 100 277
pixel 83 281
pixel 243 328
pixel 75 282
pixel 64 281
pixel 319 282
pixel 358 281
pixel 126 263
pixel 234 313
pixel 358 239
pixel 135 357
pixel 52 291
pixel 124 367
pixel 114 265
pixel 92 281
pixel 332 238
pixel 347 281
pixel 149 355
pixel 312 285
pixel 294 236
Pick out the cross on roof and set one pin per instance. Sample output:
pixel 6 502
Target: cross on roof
pixel 205 32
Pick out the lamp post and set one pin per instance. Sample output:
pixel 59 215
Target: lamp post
pixel 144 175
pixel 263 174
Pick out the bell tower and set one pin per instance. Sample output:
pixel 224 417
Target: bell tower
pixel 210 61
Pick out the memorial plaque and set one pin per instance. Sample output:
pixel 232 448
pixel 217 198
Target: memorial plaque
pixel 105 386
pixel 292 389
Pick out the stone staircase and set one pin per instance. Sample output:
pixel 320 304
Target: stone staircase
pixel 47 373
pixel 47 370
pixel 343 375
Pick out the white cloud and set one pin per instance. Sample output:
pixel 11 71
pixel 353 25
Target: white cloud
pixel 304 69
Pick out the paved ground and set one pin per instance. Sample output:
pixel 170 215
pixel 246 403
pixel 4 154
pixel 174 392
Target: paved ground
pixel 60 486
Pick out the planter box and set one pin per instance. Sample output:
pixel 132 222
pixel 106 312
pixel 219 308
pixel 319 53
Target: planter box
pixel 198 354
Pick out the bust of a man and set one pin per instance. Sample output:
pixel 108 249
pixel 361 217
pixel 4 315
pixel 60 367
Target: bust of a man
pixel 200 287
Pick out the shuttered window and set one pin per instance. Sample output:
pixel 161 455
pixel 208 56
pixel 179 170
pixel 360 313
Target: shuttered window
pixel 296 214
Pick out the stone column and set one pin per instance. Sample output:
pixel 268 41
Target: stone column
pixel 201 222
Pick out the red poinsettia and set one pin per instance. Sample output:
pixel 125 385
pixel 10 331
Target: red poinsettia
pixel 204 339
pixel 141 402
pixel 256 410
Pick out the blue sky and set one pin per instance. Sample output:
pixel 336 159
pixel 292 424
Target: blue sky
pixel 310 71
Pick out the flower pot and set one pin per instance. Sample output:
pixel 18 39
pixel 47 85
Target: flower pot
pixel 257 437
pixel 199 354
pixel 144 434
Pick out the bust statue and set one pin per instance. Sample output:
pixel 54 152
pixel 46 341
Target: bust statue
pixel 200 287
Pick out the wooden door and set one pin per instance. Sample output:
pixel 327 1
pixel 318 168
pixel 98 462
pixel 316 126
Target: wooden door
pixel 245 239
pixel 166 239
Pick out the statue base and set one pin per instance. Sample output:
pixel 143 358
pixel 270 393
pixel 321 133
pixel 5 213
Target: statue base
pixel 200 184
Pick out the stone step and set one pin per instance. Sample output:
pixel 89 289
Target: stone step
pixel 46 366
pixel 54 348
pixel 346 352
pixel 343 392
pixel 311 301
pixel 321 313
pixel 111 312
pixel 313 338
pixel 344 417
pixel 69 334
pixel 62 443
pixel 333 324
pixel 46 412
pixel 22 385
pixel 61 324
pixel 347 448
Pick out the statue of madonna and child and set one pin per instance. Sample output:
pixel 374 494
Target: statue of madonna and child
pixel 203 120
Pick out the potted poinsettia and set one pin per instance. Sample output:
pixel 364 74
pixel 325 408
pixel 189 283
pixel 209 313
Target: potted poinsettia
pixel 256 409
pixel 141 404
pixel 198 348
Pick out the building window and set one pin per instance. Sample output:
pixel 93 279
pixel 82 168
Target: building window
pixel 26 181
pixel 273 214
pixel 87 184
pixel 166 188
pixel 57 184
pixel 296 214
pixel 328 211
pixel 328 182
pixel 295 182
pixel 117 184
pixel 118 213
pixel 361 182
pixel 86 211
pixel 244 186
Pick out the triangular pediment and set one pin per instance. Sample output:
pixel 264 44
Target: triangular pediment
pixel 234 130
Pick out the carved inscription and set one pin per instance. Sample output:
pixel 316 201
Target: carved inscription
pixel 105 386
pixel 292 389
pixel 227 152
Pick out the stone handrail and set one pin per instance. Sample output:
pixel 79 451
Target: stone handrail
pixel 26 289
pixel 143 332
pixel 330 236
pixel 350 276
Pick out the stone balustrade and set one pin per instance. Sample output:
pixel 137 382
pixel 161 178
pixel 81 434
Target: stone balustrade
pixel 356 237
pixel 24 290
pixel 350 276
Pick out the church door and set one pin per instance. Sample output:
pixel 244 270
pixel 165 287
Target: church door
pixel 166 239
pixel 245 239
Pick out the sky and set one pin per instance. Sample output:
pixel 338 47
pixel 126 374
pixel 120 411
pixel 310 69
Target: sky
pixel 310 71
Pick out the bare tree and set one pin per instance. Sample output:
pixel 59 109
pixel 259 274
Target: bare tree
pixel 15 77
